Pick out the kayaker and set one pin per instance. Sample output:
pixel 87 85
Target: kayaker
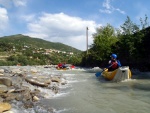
pixel 59 65
pixel 113 63
pixel 64 65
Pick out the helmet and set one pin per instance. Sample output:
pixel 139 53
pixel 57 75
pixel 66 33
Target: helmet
pixel 114 56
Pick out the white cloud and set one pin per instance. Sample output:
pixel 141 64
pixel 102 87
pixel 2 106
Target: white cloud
pixel 28 18
pixel 5 3
pixel 62 28
pixel 106 4
pixel 9 3
pixel 105 11
pixel 19 2
pixel 3 19
pixel 108 8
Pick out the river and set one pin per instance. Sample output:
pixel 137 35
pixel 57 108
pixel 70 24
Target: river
pixel 85 93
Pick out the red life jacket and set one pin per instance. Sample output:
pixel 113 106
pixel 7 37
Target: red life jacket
pixel 114 64
pixel 59 65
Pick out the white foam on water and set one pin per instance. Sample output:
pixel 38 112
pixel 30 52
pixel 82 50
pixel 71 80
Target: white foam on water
pixel 47 93
pixel 58 95
pixel 73 81
pixel 128 80
pixel 62 110
pixel 68 74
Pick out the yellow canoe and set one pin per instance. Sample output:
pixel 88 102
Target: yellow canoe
pixel 119 74
pixel 61 68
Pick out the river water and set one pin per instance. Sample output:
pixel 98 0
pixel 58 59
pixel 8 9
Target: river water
pixel 85 93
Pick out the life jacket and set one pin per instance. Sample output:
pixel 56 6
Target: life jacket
pixel 114 64
pixel 59 65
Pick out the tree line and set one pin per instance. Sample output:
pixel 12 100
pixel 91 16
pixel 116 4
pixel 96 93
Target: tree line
pixel 130 42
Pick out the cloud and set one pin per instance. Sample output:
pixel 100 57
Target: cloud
pixel 10 3
pixel 108 8
pixel 61 28
pixel 28 18
pixel 19 2
pixel 3 19
pixel 5 3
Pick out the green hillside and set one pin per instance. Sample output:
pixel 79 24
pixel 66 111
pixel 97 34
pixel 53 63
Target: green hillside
pixel 21 40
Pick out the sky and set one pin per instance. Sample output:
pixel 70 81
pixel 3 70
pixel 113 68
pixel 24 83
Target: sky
pixel 66 21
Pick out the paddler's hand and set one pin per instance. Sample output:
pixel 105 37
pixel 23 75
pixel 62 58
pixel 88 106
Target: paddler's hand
pixel 105 69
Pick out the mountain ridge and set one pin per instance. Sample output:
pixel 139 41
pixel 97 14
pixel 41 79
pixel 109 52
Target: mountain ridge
pixel 22 40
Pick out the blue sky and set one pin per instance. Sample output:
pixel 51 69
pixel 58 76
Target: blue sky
pixel 65 21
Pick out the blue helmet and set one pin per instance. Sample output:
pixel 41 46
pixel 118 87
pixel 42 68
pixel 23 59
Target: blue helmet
pixel 114 56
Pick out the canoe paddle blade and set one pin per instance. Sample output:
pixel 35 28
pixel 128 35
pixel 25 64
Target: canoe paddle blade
pixel 98 74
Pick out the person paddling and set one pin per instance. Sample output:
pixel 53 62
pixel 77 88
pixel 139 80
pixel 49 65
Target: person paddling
pixel 113 63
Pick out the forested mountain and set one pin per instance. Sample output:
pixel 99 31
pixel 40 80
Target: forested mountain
pixel 21 40
pixel 24 50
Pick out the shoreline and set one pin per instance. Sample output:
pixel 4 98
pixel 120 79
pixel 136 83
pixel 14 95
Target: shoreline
pixel 27 85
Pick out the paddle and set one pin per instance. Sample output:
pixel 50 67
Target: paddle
pixel 99 73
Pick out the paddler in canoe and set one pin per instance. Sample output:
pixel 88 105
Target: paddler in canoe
pixel 114 71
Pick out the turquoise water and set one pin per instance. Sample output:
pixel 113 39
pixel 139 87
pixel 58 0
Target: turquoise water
pixel 85 93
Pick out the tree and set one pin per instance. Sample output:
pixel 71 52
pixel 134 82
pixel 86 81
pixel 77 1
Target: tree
pixel 103 40
pixel 144 23
pixel 129 27
pixel 101 49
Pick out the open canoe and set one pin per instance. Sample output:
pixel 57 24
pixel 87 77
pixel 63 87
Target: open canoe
pixel 119 74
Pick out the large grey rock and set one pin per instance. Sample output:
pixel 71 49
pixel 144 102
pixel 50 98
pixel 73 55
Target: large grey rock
pixel 36 82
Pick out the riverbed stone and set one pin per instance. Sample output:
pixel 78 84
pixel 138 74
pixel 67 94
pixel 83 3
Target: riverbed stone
pixel 4 107
pixel 1 74
pixel 18 85
pixel 35 98
pixel 35 81
pixel 17 70
pixel 5 81
pixel 3 88
pixel 10 97
pixel 1 99
pixel 8 112
pixel 28 104
pixel 55 79
pixel 1 70
pixel 34 70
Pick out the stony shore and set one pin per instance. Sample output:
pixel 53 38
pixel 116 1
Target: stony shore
pixel 23 84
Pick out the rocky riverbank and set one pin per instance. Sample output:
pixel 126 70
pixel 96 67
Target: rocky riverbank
pixel 23 87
